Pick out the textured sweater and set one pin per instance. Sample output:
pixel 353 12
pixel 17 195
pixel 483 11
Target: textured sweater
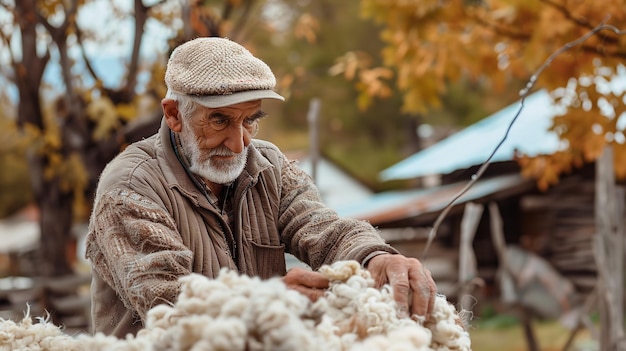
pixel 151 225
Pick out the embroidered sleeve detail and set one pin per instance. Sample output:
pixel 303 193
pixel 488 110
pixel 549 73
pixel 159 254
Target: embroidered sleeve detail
pixel 134 245
pixel 293 176
pixel 315 233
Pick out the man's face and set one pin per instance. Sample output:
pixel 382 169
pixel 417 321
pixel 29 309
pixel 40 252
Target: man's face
pixel 215 140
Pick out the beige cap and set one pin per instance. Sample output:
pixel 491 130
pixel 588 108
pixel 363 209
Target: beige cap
pixel 217 72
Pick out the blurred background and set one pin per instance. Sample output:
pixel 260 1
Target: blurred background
pixel 391 106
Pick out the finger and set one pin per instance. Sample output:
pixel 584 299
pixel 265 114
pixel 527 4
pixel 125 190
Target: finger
pixel 307 278
pixel 312 293
pixel 314 280
pixel 399 281
pixel 424 292
pixel 377 267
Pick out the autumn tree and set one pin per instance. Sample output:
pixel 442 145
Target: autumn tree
pixel 14 193
pixel 311 35
pixel 430 44
pixel 75 130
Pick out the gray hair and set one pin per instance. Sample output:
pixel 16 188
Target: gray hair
pixel 186 105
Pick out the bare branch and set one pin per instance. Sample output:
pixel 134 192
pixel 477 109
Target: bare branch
pixel 524 93
pixel 125 93
pixel 505 32
pixel 578 20
pixel 601 52
pixel 59 36
pixel 44 21
pixel 533 79
pixel 7 41
pixel 243 19
pixel 7 7
pixel 29 70
pixel 228 10
pixel 141 17
pixel 79 40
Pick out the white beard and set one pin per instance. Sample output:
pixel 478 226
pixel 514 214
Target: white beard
pixel 219 172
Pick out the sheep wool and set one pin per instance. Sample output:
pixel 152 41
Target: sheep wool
pixel 27 335
pixel 238 312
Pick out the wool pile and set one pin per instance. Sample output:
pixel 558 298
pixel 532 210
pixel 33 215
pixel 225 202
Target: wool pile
pixel 237 312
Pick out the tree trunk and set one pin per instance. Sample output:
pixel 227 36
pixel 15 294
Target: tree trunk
pixel 55 206
pixel 56 225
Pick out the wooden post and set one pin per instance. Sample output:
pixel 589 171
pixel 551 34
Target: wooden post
pixel 467 259
pixel 497 235
pixel 608 246
pixel 313 119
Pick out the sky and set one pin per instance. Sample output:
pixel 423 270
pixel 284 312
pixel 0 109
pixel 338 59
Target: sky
pixel 118 34
pixel 114 43
pixel 114 36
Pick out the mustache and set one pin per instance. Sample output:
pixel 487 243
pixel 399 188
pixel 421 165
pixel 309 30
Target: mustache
pixel 224 151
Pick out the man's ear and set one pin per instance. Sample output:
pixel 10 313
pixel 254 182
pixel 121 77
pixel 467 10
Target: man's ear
pixel 172 117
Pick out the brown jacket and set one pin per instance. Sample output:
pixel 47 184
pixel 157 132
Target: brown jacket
pixel 151 224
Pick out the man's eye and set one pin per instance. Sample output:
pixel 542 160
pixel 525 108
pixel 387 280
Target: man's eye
pixel 251 121
pixel 219 121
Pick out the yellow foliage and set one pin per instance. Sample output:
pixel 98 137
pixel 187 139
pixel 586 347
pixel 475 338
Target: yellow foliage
pixel 373 81
pixel 70 175
pixel 454 37
pixel 306 27
pixel 619 161
pixel 546 169
pixel 127 112
pixel 431 42
pixel 49 7
pixel 14 138
pixel 104 113
pixel 350 63
pixel 371 85
pixel 51 139
pixel 157 72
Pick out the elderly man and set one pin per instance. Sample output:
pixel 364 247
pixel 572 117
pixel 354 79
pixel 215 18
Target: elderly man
pixel 202 194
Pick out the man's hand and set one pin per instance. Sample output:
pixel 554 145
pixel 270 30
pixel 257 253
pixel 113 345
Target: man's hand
pixel 309 283
pixel 413 288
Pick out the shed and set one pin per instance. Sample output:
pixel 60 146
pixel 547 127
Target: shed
pixel 557 225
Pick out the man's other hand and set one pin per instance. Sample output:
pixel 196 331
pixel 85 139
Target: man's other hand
pixel 311 284
pixel 413 287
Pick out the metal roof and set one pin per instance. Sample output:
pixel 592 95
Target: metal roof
pixel 422 205
pixel 473 145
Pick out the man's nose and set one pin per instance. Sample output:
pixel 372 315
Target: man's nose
pixel 237 139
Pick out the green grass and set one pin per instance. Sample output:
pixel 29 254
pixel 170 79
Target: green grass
pixel 505 333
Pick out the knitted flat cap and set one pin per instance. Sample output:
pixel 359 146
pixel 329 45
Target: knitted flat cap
pixel 217 72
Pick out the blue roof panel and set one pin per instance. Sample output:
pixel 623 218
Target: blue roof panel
pixel 391 206
pixel 473 145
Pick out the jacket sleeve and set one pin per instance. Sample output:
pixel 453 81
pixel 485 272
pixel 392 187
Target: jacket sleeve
pixel 315 233
pixel 134 246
